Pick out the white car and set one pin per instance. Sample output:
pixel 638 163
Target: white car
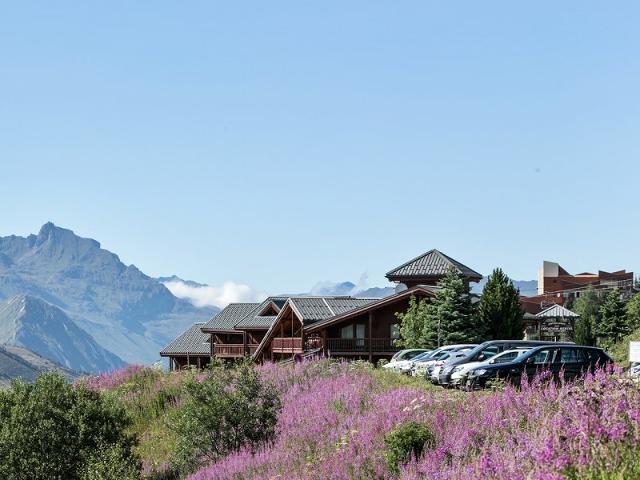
pixel 422 365
pixel 459 374
pixel 434 370
pixel 404 365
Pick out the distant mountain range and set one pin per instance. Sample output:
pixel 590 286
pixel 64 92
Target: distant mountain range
pixel 34 324
pixel 18 362
pixel 125 311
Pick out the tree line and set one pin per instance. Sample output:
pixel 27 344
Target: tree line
pixel 452 316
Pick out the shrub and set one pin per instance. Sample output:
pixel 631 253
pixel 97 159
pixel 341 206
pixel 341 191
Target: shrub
pixel 112 462
pixel 224 412
pixel 52 430
pixel 405 442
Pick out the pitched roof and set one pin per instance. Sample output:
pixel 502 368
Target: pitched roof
pixel 254 320
pixel 557 311
pixel 192 342
pixel 229 317
pixel 373 304
pixel 431 264
pixel 313 309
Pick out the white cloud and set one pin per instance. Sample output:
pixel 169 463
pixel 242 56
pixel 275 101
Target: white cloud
pixel 202 296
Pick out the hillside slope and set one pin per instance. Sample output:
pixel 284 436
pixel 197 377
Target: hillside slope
pixel 18 362
pixel 125 311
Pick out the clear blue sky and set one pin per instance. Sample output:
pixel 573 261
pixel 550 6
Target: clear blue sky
pixel 282 143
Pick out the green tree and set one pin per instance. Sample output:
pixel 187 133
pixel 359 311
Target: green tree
pixel 588 307
pixel 451 317
pixel 613 323
pixel 412 323
pixel 633 312
pixel 226 411
pixel 53 430
pixel 499 308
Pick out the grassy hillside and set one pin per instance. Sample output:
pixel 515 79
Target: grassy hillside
pixel 350 421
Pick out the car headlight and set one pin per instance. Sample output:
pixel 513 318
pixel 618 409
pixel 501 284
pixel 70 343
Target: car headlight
pixel 480 371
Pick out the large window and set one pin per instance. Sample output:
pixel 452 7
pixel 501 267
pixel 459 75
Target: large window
pixel 346 332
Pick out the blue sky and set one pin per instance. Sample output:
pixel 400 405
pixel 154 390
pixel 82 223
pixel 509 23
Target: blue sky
pixel 281 143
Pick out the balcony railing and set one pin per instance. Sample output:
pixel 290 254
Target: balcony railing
pixel 286 345
pixel 378 345
pixel 232 350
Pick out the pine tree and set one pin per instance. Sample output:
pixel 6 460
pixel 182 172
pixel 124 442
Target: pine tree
pixel 588 307
pixel 500 309
pixel 412 323
pixel 450 316
pixel 613 323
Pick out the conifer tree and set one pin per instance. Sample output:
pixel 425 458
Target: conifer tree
pixel 450 316
pixel 613 323
pixel 499 308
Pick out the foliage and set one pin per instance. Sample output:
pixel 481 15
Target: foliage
pixel 613 323
pixel 222 413
pixel 53 430
pixel 412 323
pixel 499 308
pixel 405 442
pixel 588 307
pixel 633 312
pixel 111 462
pixel 450 317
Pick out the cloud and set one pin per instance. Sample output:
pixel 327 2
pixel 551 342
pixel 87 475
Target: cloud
pixel 204 295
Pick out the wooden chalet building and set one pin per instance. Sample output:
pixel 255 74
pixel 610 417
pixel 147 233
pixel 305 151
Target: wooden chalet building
pixel 336 326
pixel 192 348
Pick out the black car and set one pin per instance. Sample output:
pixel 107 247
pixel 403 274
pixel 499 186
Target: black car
pixel 572 360
pixel 487 350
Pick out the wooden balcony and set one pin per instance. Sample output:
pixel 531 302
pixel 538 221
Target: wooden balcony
pixel 361 345
pixel 286 345
pixel 232 350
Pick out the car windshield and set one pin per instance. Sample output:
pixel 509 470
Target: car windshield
pixel 422 356
pixel 412 354
pixel 508 356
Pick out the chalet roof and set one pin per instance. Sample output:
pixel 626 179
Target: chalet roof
pixel 373 304
pixel 431 264
pixel 253 319
pixel 557 311
pixel 228 318
pixel 191 342
pixel 313 309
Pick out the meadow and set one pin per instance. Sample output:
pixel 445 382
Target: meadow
pixel 351 421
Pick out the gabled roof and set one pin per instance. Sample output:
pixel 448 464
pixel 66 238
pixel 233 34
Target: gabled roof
pixel 255 320
pixel 228 318
pixel 313 309
pixel 372 305
pixel 191 342
pixel 431 264
pixel 557 311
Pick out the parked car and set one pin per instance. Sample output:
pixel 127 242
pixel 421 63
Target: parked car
pixel 572 360
pixel 485 351
pixel 434 370
pixel 405 366
pixel 402 356
pixel 420 367
pixel 459 373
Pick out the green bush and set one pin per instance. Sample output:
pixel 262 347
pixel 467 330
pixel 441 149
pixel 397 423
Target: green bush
pixel 407 440
pixel 52 430
pixel 112 462
pixel 221 414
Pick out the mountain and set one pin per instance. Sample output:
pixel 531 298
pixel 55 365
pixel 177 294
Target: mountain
pixel 328 288
pixel 125 311
pixel 18 362
pixel 32 323
pixel 527 287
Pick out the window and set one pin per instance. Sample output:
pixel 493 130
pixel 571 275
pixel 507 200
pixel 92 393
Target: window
pixel 346 332
pixel 394 331
pixel 360 330
pixel 542 357
pixel 571 355
pixel 507 357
